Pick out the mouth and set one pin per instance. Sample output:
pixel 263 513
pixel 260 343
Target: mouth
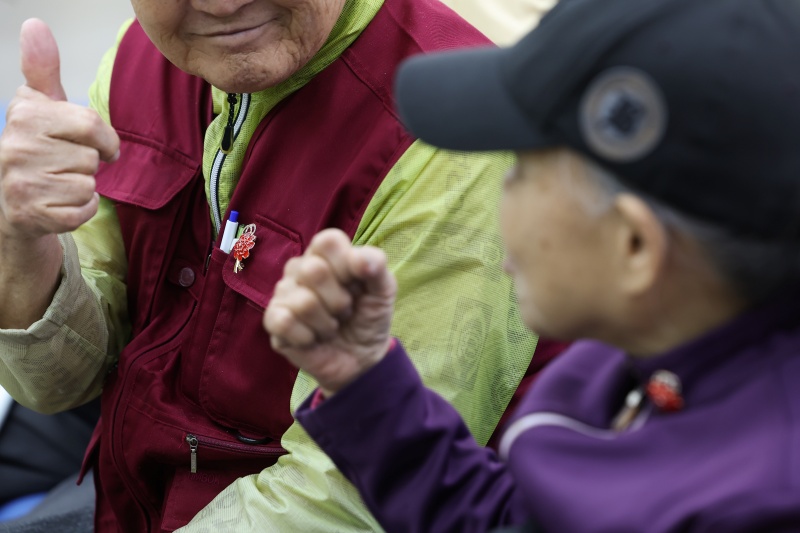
pixel 227 32
pixel 238 36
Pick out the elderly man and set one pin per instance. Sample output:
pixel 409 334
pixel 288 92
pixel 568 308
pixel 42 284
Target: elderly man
pixel 654 213
pixel 140 242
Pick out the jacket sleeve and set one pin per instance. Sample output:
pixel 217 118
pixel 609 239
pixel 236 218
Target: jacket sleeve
pixel 414 462
pixel 435 215
pixel 776 511
pixel 61 360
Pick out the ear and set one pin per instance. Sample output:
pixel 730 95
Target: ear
pixel 641 242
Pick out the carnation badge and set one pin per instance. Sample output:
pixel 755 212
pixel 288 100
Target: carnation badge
pixel 243 245
pixel 664 390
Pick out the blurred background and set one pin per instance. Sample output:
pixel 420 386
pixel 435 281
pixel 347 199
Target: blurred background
pixel 84 30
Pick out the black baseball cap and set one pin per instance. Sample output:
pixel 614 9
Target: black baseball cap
pixel 693 102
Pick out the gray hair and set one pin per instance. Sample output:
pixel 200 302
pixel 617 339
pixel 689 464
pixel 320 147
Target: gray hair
pixel 756 269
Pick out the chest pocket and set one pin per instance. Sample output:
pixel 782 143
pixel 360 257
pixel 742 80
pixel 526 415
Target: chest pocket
pixel 243 384
pixel 149 205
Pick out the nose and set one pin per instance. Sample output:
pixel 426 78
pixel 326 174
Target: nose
pixel 219 8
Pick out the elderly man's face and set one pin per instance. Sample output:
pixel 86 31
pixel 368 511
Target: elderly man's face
pixel 557 251
pixel 239 45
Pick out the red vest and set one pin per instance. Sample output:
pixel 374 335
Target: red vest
pixel 199 362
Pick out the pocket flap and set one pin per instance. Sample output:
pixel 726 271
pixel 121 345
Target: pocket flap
pixel 131 179
pixel 274 246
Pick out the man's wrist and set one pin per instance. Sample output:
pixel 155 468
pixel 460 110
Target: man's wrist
pixel 331 388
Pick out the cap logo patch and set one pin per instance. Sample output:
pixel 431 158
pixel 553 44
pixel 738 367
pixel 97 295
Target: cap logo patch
pixel 623 115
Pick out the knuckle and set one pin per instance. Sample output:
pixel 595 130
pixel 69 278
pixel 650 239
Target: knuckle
pixel 94 127
pixel 91 160
pixel 25 93
pixel 19 105
pixel 12 214
pixel 282 288
pixel 291 266
pixel 84 191
pixel 17 116
pixel 341 303
pixel 317 239
pixel 276 343
pixel 266 319
pixel 15 190
pixel 272 316
pixel 306 304
pixel 281 321
pixel 314 270
pixel 18 217
pixel 74 218
pixel 17 151
pixel 324 241
pixel 115 140
pixel 7 156
pixel 26 114
pixel 86 123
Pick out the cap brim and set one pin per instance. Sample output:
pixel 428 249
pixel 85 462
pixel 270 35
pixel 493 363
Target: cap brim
pixel 457 100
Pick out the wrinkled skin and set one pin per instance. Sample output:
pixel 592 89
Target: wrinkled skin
pixel 239 45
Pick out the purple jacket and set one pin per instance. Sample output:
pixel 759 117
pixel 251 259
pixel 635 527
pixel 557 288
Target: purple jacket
pixel 729 461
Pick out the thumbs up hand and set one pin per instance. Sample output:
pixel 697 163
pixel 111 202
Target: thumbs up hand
pixel 50 149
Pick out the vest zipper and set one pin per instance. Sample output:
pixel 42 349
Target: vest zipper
pixel 194 442
pixel 227 136
pixel 116 429
pixel 235 126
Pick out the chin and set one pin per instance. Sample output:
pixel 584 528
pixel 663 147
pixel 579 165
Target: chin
pixel 239 87
pixel 246 83
pixel 532 321
pixel 245 75
pixel 535 321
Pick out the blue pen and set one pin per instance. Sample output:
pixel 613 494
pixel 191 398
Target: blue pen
pixel 229 235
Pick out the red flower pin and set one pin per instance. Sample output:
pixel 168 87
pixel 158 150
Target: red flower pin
pixel 243 245
pixel 664 390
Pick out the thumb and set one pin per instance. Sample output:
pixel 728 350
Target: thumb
pixel 40 63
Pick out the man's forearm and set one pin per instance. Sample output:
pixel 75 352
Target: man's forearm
pixel 60 361
pixel 30 272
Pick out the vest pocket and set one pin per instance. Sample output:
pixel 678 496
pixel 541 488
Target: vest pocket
pixel 166 483
pixel 207 472
pixel 244 385
pixel 151 206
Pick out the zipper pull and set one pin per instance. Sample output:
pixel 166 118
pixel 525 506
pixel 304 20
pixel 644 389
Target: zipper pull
pixel 227 137
pixel 192 440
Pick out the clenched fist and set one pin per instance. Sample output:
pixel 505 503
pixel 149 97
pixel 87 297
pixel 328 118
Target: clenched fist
pixel 50 149
pixel 332 311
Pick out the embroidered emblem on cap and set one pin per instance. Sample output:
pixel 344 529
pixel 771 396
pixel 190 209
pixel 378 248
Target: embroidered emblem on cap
pixel 623 115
